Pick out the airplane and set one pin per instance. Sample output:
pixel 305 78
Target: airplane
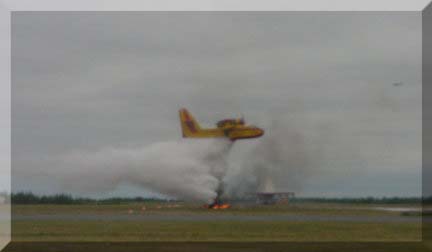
pixel 234 129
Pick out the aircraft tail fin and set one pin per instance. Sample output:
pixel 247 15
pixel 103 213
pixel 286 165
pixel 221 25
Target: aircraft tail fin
pixel 189 126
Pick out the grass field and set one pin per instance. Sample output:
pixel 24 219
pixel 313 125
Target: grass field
pixel 209 230
pixel 212 231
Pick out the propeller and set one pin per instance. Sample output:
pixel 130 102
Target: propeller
pixel 242 119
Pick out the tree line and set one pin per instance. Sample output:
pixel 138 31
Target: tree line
pixel 64 199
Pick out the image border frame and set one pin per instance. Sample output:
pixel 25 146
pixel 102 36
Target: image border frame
pixel 7 7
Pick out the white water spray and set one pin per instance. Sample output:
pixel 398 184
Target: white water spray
pixel 187 170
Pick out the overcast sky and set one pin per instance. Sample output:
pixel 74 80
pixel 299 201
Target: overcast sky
pixel 91 80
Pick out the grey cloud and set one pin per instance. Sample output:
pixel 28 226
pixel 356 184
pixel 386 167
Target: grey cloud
pixel 84 81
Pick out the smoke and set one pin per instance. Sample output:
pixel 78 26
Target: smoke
pixel 305 147
pixel 282 160
pixel 187 170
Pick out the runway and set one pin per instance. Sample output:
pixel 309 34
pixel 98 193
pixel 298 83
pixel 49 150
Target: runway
pixel 212 217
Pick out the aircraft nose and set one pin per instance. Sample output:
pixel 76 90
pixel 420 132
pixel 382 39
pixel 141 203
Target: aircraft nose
pixel 260 132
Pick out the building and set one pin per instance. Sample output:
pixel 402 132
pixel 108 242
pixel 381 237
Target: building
pixel 270 198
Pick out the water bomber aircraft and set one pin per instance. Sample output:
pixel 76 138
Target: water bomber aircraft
pixel 234 129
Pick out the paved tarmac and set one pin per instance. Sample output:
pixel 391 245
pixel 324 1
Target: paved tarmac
pixel 214 217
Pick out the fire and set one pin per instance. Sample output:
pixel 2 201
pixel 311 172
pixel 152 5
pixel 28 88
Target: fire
pixel 217 204
pixel 220 206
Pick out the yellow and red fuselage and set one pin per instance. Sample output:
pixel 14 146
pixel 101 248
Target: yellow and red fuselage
pixel 234 129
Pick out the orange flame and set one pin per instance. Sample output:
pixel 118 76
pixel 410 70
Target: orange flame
pixel 222 206
pixel 218 206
